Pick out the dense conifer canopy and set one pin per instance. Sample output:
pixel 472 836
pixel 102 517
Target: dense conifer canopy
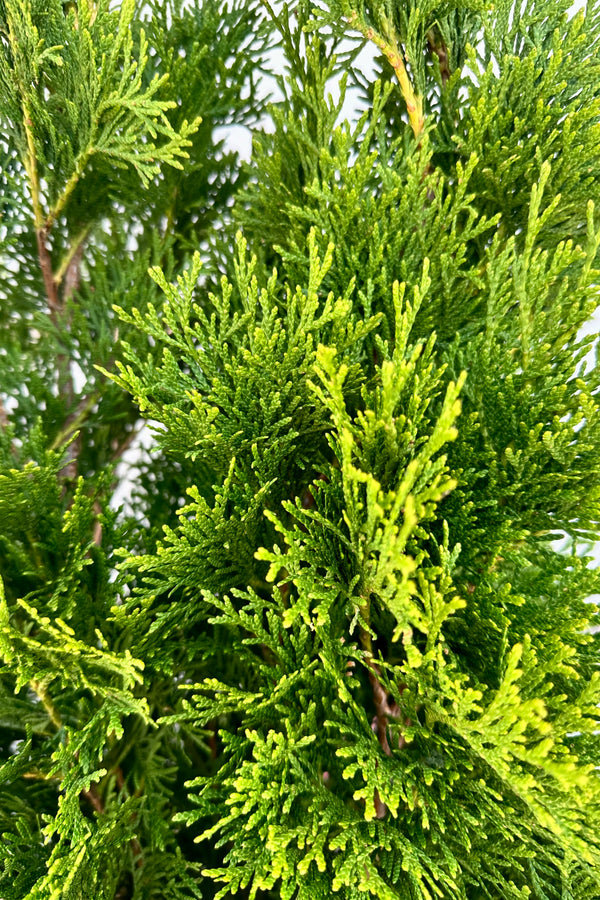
pixel 299 470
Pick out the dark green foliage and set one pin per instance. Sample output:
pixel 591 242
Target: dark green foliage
pixel 330 631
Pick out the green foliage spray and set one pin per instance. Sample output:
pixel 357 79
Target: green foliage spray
pixel 338 641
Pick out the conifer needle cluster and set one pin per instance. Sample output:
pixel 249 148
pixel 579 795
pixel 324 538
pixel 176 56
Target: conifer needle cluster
pixel 299 475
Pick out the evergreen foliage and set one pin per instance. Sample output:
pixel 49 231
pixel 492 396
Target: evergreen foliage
pixel 339 640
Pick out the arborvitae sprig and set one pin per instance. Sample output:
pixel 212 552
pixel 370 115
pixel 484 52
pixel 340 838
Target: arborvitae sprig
pixel 333 646
pixel 93 117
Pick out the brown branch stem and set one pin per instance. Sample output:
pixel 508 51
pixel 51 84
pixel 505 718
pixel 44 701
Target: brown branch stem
pixel 45 261
pixel 390 49
pixel 441 51
pixel 43 224
pixel 72 278
pixel 69 188
pixel 97 533
pixel 39 688
pixel 31 167
pixel 383 708
pixel 75 420
pixel 93 799
pixel 39 776
pixel 119 449
pixel 90 795
pixel 72 258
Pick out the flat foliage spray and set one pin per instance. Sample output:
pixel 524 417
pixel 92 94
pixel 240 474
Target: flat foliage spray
pixel 299 457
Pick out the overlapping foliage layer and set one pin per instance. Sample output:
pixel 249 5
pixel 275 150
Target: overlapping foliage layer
pixel 330 645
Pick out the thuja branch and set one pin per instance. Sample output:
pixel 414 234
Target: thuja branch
pixel 383 709
pixel 74 422
pixel 388 45
pixel 41 232
pixel 31 167
pixel 92 797
pixel 42 224
pixel 438 47
pixel 72 256
pixel 45 260
pixel 120 448
pixel 69 188
pixel 39 688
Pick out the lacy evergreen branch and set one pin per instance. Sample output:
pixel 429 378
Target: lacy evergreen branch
pixel 299 481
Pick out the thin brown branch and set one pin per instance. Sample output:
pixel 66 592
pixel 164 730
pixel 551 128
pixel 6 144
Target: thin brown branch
pixel 118 449
pixel 93 799
pixel 73 274
pixel 388 45
pixel 65 381
pixel 39 776
pixel 437 46
pixel 31 167
pixel 71 270
pixel 67 267
pixel 42 226
pixel 3 415
pixel 45 261
pixel 384 709
pixel 74 421
pixel 39 688
pixel 69 188
pixel 97 533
